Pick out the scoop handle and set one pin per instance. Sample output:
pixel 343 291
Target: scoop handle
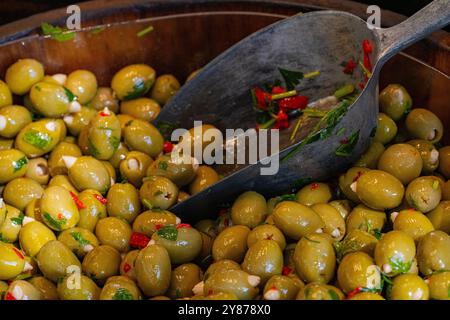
pixel 434 16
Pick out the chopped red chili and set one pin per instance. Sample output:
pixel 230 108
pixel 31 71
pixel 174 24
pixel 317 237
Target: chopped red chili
pixel 100 198
pixel 344 141
pixel 158 226
pixel 9 296
pixel 314 186
pixel 261 98
pixel 103 114
pixel 183 225
pixel 354 292
pixel 297 102
pixel 367 46
pixel 60 216
pixel 126 267
pixel 77 201
pixel 18 253
pixel 286 271
pixel 350 66
pixel 277 89
pixel 282 120
pixel 357 176
pixel 139 240
pixel 167 147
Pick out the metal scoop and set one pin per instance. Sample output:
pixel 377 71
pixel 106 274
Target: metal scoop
pixel 220 95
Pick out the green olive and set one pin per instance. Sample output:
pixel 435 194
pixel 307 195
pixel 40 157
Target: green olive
pixel 347 179
pixel 38 170
pixel 13 119
pixel 314 193
pixel 55 260
pixel 20 191
pixel 386 129
pixel 379 190
pixel 183 280
pixel 5 95
pixel 12 261
pixel 332 219
pixel 357 269
pixel 6 144
pixel 438 284
pixel 101 263
pixel 124 120
pixel 23 74
pixel 403 161
pixel 120 288
pixel 10 228
pixel 231 244
pixel 127 266
pixel 119 155
pixel 165 88
pixel 198 138
pixel 23 290
pixel 143 136
pixel 62 181
pixel 55 161
pixel 158 192
pixel 123 202
pixel 33 236
pixel 319 291
pixel 444 161
pixel 296 220
pixel 370 158
pixel 52 100
pixel 206 177
pixel 367 296
pixel 79 120
pixel 280 288
pixel 409 287
pixel 236 282
pixel 182 242
pixel 395 101
pixel 314 257
pixel 394 252
pixel 86 172
pixel 220 266
pixel 141 108
pixel 429 154
pixel 114 232
pixel 104 135
pixel 58 209
pixel 148 221
pixel 133 81
pixel 178 172
pixel 413 223
pixel 85 290
pixel 356 240
pixel 424 124
pixel 433 252
pixel 46 287
pixel 134 167
pixel 79 240
pixel 266 232
pixel 366 219
pixel 264 259
pixel 104 98
pixel 440 216
pixel 153 270
pixel 424 193
pixel 249 209
pixel 83 84
pixel 342 206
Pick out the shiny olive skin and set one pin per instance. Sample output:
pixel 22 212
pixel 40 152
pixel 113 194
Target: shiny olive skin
pixel 141 108
pixel 23 290
pixel 263 259
pixel 395 101
pixel 394 252
pixel 40 137
pixel 23 74
pixel 403 161
pixel 346 180
pixel 134 167
pixel 11 263
pixel 367 296
pixel 370 158
pixel 296 220
pixel 196 138
pixel 124 120
pixel 104 135
pixel 183 279
pixel 20 191
pixel 429 154
pixel 314 257
pixel 120 288
pixel 55 161
pixel 220 266
pixel 123 202
pixel 133 81
pixel 114 232
pixel 231 244
pixel 77 121
pixel 438 284
pixel 386 129
pixel 38 170
pixel 409 287
pixel 280 287
pixel 444 161
pixel 158 192
pixel 62 181
pixel 424 193
pixel 424 124
pixel 33 236
pixel 79 240
pixel 143 136
pixel 147 221
pixel 379 190
pixel 440 216
pixel 342 206
pixel 83 84
pixel 93 209
pixel 89 173
pixel 5 95
pixel 127 267
pixel 206 176
pixel 183 247
pixel 356 240
pixel 319 291
pixel 153 270
pixel 6 144
pixel 101 263
pixel 50 99
pixel 12 119
pixel 334 224
pixel 58 209
pixel 10 227
pixel 179 173
pixel 366 219
pixel 249 209
pixel 266 232
pixel 231 281
pixel 54 258
pixel 88 289
pixel 433 252
pixel 104 98
pixel 414 223
pixel 120 154
pixel 165 87
pixel 357 269
pixel 314 193
pixel 46 287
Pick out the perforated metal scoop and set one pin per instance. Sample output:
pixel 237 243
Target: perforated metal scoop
pixel 322 40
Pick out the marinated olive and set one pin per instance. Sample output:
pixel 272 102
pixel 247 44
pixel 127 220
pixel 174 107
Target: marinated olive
pixel 178 172
pixel 80 120
pixel 123 202
pixel 22 290
pixel 424 124
pixel 13 119
pixel 314 193
pixel 366 219
pixel 52 100
pixel 143 136
pixel 114 232
pixel 148 221
pixel 13 164
pixel 358 270
pixel 429 154
pixel 438 284
pixel 165 88
pixel 104 98
pixel 403 161
pixel 134 167
pixel 386 129
pixel 347 179
pixel 280 288
pixel 319 291
pixel 58 209
pixel 206 176
pixel 433 252
pixel 83 84
pixel 86 172
pixel 33 236
pixel 23 74
pixel 55 161
pixel 79 240
pixel 84 289
pixel 12 261
pixel 20 191
pixel 444 161
pixel 46 287
pixel 423 193
pixel 266 232
pixel 38 170
pixel 101 263
pixel 104 135
pixel 370 158
pixel 120 288
pixel 141 108
pixel 249 209
pixel 158 192
pixel 5 95
pixel 440 216
pixel 183 280
pixel 236 282
pixel 395 101
pixel 231 244
pixel 133 81
pixel 413 223
pixel 409 287
pixel 334 224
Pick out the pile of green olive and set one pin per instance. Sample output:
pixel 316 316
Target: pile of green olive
pixel 87 183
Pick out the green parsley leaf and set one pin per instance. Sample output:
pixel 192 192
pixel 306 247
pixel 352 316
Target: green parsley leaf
pixel 340 131
pixel 163 165
pixel 311 240
pixel 115 141
pixel 139 89
pixel 56 224
pixel 40 140
pixel 333 295
pixel 166 128
pixel 20 163
pixel 147 203
pixel 145 31
pixel 122 294
pixel 79 238
pixel 377 233
pixel 168 233
pixel 18 220
pixel 398 266
pixel 70 95
pixel 285 197
pixel 291 78
pixel 345 150
pixel 57 33
pixel 93 149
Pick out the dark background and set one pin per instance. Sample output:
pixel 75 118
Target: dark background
pixel 11 10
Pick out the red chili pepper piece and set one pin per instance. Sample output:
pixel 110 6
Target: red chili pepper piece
pixel 158 226
pixel 183 225
pixel 282 120
pixel 77 201
pixel 354 292
pixel 139 240
pixel 277 89
pixel 226 221
pixel 60 216
pixel 286 271
pixel 9 296
pixel 357 176
pixel 344 141
pixel 103 114
pixel 261 98
pixel 367 46
pixel 18 253
pixel 350 66
pixel 297 102
pixel 167 147
pixel 126 267
pixel 100 198
pixel 361 85
pixel 314 186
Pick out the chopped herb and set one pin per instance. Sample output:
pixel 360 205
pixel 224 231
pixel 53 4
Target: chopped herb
pixel 291 78
pixel 377 233
pixel 145 31
pixel 38 88
pixel 158 193
pixel 163 165
pixel 340 131
pixel 3 239
pixel 285 197
pixel 314 113
pixel 98 29
pixel 79 238
pixel 168 233
pixel 70 95
pixel 269 86
pixel 366 71
pixel 18 220
pixel 283 95
pixel 140 88
pixel 333 295
pixel 115 141
pixel 166 128
pixel 435 184
pixel 56 224
pixel 344 91
pixel 93 151
pixel 19 163
pixel 399 266
pixel 57 33
pixel 122 294
pixel 314 241
pixel 106 128
pixel 147 203
pixel 40 140
pixel 346 149
pixel 373 131
pixel 346 246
